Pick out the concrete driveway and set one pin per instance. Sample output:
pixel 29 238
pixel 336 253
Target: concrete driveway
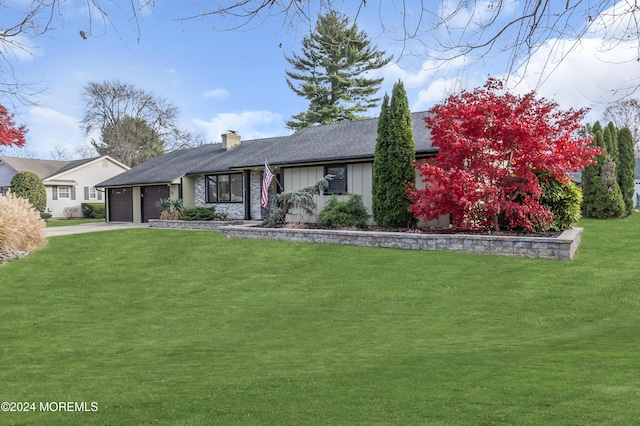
pixel 91 227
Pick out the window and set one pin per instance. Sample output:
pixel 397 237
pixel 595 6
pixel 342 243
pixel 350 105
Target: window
pixel 93 194
pixel 224 188
pixel 64 192
pixel 337 185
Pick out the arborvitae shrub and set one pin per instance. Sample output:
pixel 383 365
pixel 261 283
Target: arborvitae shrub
pixel 21 228
pixel 607 201
pixel 626 168
pixel 340 214
pixel 393 162
pixel 28 185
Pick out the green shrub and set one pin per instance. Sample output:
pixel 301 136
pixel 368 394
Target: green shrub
pixel 29 186
pixel 45 215
pixel 350 213
pixel 170 209
pixel 301 199
pixel 93 210
pixel 202 213
pixel 563 200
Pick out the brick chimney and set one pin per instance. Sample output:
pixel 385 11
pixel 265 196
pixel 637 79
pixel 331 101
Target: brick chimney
pixel 230 140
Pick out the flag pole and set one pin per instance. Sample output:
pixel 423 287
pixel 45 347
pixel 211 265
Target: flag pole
pixel 274 175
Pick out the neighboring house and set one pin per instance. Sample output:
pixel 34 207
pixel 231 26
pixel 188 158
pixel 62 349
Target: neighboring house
pixel 228 175
pixel 68 183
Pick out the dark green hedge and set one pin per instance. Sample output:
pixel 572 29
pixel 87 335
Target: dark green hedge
pixel 93 210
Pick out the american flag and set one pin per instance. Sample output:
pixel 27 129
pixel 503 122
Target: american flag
pixel 266 182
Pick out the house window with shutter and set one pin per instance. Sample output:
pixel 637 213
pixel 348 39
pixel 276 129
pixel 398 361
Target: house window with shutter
pixel 64 192
pixel 93 193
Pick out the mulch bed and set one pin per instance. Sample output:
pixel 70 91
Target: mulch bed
pixel 424 230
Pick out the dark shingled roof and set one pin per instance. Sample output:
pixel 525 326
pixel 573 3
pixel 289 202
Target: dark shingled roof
pixel 318 144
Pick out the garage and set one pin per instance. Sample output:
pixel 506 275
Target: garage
pixel 121 204
pixel 150 197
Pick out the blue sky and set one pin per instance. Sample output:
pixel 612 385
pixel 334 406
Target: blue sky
pixel 235 80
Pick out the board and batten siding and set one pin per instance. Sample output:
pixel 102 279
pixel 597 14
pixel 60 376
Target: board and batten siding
pixel 359 181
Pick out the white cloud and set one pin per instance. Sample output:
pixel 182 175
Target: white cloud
pixel 248 124
pixel 20 48
pixel 217 93
pixel 51 129
pixel 587 77
pixel 441 88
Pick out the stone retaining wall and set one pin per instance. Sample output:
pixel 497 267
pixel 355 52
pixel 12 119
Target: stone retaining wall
pixel 563 247
pixel 202 225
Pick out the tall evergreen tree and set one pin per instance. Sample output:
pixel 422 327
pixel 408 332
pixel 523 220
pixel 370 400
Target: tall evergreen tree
pixel 608 142
pixel 612 146
pixel 601 196
pixel 129 140
pixel 330 73
pixel 626 167
pixel 591 174
pixel 380 160
pixel 393 161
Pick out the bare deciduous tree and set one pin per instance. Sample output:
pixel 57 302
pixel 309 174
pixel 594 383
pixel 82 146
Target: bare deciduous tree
pixel 626 113
pixel 465 30
pixel 24 22
pixel 444 31
pixel 133 125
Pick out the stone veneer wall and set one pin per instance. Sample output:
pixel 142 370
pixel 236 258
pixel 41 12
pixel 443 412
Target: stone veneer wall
pixel 256 195
pixel 563 247
pixel 233 210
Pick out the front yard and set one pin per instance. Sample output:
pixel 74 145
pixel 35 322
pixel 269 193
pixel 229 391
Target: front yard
pixel 176 327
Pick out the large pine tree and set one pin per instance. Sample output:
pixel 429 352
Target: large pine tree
pixel 330 73
pixel 626 168
pixel 393 162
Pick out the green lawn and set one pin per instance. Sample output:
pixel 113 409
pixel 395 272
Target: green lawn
pixel 185 327
pixel 71 222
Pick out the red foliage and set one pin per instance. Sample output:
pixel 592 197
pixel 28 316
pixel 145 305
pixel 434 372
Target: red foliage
pixel 492 146
pixel 9 133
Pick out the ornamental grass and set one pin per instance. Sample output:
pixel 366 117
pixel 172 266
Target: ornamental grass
pixel 21 227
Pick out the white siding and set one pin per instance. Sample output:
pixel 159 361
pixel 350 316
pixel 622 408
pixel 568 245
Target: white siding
pixel 87 175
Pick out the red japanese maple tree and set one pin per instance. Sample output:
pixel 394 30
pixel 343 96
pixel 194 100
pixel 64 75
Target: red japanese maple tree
pixel 494 148
pixel 10 134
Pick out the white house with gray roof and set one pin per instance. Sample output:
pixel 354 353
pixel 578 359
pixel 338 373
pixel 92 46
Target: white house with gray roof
pixel 68 183
pixel 228 175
